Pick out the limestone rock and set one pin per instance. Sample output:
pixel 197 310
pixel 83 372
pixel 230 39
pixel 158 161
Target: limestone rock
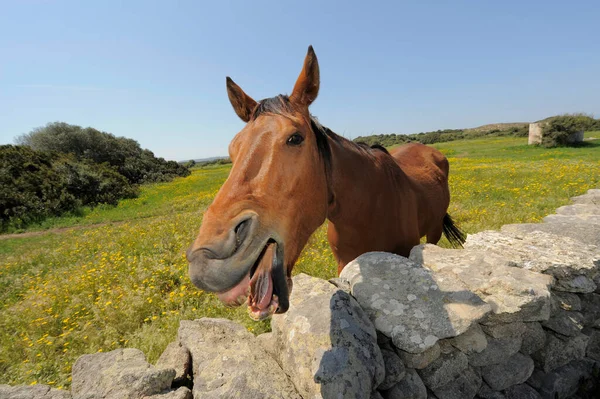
pixel 394 369
pixel 472 340
pixel 591 197
pixel 465 386
pixel 573 264
pixel 32 392
pixel 326 342
pixel 420 360
pixel 498 350
pixel 341 283
pixel 534 338
pixel 177 358
pixel 448 367
pixel 268 341
pixel 119 374
pixel 375 395
pixel 514 294
pixel 180 393
pixel 565 301
pixel 410 387
pixel 593 348
pixel 564 226
pixel 515 371
pixel 587 219
pixel 578 209
pixel 559 351
pixel 505 330
pixel 565 323
pixel 228 360
pixel 411 304
pixel 485 392
pixel 590 308
pixel 564 382
pixel 521 391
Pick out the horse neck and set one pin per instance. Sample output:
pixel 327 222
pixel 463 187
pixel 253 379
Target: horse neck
pixel 357 172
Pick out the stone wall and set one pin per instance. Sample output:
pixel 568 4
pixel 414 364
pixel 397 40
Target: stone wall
pixel 516 314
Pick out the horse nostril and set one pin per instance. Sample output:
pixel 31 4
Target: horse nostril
pixel 241 232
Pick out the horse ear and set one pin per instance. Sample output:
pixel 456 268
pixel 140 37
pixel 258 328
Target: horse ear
pixel 306 88
pixel 243 104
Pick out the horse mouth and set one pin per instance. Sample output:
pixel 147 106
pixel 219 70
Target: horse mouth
pixel 264 289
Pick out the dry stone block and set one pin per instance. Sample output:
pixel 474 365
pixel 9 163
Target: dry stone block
pixel 178 358
pixel 394 369
pixel 410 387
pixel 498 350
pixel 578 209
pixel 514 294
pixel 574 265
pixel 180 393
pixel 465 386
pixel 587 219
pixel 227 360
pixel 485 392
pixel 515 371
pixel 420 360
pixel 534 338
pixel 565 301
pixel 326 342
pixel 565 381
pixel 591 197
pixel 559 351
pixel 578 229
pixel 521 391
pixel 506 330
pixel 590 308
pixel 32 392
pixel 411 304
pixel 268 341
pixel 471 341
pixel 565 323
pixel 445 369
pixel 593 348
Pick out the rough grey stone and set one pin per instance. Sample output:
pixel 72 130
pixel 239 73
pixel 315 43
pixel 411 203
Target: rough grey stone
pixel 537 378
pixel 326 342
pixel 485 392
pixel 268 341
pixel 514 294
pixel 593 348
pixel 578 209
pixel 521 391
pixel 534 338
pixel 559 351
pixel 341 283
pixel 420 360
pixel 591 197
pixel 465 386
pixel 565 323
pixel 445 369
pixel 411 387
pixel 590 308
pixel 588 219
pixel 32 392
pixel 472 340
pixel 571 263
pixel 564 382
pixel 180 393
pixel 515 371
pixel 178 358
pixel 498 350
pixel 227 360
pixel 394 369
pixel 119 374
pixel 409 303
pixel 565 226
pixel 565 301
pixel 506 330
pixel 375 395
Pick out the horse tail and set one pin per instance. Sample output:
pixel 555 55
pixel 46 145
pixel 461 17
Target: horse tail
pixel 454 235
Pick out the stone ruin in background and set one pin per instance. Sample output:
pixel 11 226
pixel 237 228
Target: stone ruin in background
pixel 516 314
pixel 536 134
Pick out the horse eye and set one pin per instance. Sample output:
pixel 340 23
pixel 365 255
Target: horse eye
pixel 295 139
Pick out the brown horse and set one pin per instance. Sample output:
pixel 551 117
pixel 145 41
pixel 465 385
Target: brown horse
pixel 289 174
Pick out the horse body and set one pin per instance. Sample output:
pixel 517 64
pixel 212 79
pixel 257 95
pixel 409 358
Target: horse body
pixel 289 174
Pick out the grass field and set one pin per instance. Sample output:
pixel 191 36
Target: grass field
pixel 119 276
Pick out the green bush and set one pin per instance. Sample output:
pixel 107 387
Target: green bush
pixel 36 185
pixel 125 155
pixel 557 130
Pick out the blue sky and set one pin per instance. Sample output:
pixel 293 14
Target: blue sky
pixel 155 71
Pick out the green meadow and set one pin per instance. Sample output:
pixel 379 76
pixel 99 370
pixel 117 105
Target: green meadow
pixel 114 277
